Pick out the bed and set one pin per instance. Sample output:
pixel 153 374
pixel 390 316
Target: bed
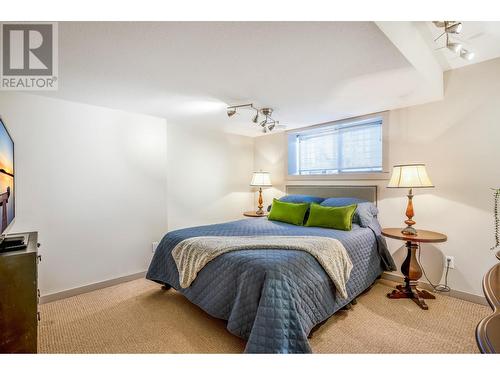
pixel 274 298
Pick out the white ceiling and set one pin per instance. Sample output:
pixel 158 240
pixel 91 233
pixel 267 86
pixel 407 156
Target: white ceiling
pixel 483 38
pixel 188 72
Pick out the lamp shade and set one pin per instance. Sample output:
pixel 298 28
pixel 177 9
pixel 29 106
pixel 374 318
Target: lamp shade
pixel 409 176
pixel 261 179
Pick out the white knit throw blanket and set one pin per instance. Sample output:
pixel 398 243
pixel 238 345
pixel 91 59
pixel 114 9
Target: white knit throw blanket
pixel 192 254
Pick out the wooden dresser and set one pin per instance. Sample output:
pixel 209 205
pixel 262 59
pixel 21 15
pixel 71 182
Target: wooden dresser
pixel 19 297
pixel 488 329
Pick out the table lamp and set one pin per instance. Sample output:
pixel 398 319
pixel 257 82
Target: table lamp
pixel 261 179
pixel 409 176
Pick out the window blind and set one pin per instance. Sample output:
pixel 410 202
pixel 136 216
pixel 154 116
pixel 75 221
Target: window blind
pixel 337 149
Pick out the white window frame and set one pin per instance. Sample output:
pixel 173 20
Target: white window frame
pixel 351 176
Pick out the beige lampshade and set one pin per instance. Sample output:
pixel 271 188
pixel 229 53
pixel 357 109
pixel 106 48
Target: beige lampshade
pixel 409 176
pixel 261 179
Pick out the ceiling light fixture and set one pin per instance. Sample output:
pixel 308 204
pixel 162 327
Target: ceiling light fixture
pixel 466 55
pixel 268 124
pixel 454 47
pixel 256 118
pixel 452 28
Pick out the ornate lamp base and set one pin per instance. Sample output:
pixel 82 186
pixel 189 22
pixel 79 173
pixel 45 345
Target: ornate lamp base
pixel 409 230
pixel 260 207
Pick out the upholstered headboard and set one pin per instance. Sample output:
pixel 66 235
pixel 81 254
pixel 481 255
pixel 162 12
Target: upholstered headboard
pixel 365 192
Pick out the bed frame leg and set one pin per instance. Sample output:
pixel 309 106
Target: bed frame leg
pixel 347 307
pixel 166 286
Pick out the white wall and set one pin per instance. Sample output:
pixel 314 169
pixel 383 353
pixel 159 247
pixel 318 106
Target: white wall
pixel 92 182
pixel 209 173
pixel 459 140
pixel 270 153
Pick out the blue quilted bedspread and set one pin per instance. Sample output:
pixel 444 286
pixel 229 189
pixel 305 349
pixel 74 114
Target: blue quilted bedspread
pixel 272 298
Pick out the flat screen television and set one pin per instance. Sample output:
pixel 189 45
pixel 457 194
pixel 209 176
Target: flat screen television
pixel 7 206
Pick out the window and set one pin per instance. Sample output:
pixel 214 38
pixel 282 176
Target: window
pixel 352 146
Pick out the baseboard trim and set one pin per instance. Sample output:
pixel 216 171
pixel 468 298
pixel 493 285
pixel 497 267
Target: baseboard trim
pixel 452 293
pixel 91 287
pixel 104 284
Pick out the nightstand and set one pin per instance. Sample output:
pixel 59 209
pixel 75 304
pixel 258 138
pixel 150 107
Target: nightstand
pixel 411 268
pixel 254 214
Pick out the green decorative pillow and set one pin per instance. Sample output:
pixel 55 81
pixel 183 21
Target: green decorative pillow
pixel 292 213
pixel 331 217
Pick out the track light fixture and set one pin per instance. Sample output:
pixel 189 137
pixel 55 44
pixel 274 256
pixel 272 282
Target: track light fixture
pixel 452 28
pixel 256 118
pixel 467 55
pixel 267 124
pixel 454 47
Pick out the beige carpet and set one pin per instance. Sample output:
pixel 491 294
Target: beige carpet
pixel 138 317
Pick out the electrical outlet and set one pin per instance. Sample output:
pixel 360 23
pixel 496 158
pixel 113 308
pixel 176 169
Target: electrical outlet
pixel 154 245
pixel 449 261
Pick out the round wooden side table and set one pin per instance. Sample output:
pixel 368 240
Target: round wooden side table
pixel 254 214
pixel 411 268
